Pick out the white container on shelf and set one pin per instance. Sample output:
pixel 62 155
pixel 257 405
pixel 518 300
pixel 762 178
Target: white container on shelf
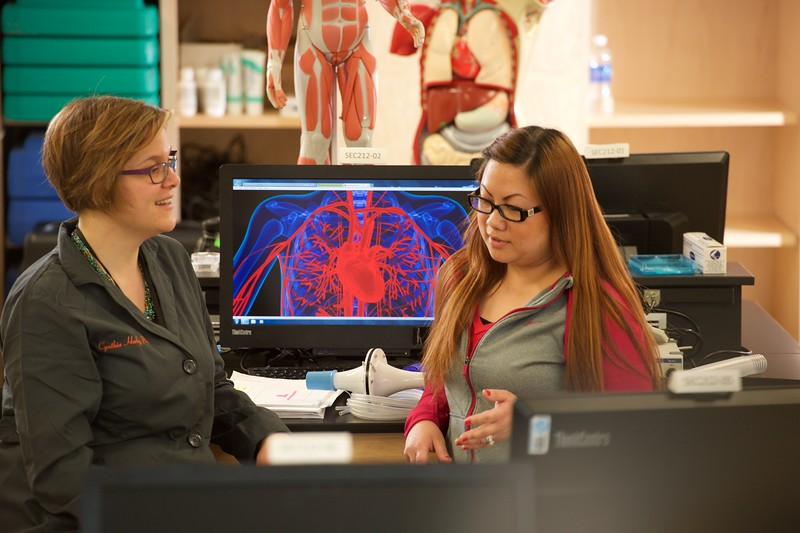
pixel 187 93
pixel 232 68
pixel 214 93
pixel 253 75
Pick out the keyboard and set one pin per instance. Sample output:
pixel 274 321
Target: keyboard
pixel 295 372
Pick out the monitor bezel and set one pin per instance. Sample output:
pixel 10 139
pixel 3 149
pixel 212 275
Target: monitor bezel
pixel 394 339
pixel 649 186
pixel 105 492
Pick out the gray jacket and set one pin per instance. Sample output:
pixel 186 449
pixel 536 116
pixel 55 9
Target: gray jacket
pixel 89 381
pixel 523 352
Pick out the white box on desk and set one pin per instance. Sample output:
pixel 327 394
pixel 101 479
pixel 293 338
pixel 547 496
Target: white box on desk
pixel 707 254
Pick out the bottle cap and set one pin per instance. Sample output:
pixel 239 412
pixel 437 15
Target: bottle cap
pixel 187 74
pixel 600 40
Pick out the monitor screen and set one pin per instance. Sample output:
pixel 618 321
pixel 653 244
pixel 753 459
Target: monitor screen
pixel 656 462
pixel 352 499
pixel 651 200
pixel 309 251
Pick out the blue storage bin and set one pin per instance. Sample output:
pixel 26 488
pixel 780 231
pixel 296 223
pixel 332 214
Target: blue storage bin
pixel 80 51
pixel 12 273
pixel 79 21
pixel 25 214
pixel 25 177
pixel 80 80
pixel 43 107
pixel 99 4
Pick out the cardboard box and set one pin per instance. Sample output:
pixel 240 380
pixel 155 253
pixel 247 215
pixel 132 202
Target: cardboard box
pixel 707 254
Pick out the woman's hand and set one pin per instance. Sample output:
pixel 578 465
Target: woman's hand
pixel 425 437
pixel 262 457
pixel 492 426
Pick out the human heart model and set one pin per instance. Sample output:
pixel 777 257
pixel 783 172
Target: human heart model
pixel 468 64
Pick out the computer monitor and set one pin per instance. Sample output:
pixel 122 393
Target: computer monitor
pixel 351 499
pixel 655 462
pixel 335 258
pixel 651 200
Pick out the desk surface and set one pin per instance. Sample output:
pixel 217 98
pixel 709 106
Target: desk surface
pixel 368 448
pixel 763 334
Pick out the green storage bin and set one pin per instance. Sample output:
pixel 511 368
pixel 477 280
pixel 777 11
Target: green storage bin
pixel 49 51
pixel 90 22
pixel 80 80
pixel 41 108
pixel 107 4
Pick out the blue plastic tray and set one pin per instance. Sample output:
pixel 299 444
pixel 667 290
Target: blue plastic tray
pixel 661 265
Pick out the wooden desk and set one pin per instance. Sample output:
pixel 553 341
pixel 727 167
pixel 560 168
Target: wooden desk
pixel 378 448
pixel 763 334
pixel 368 448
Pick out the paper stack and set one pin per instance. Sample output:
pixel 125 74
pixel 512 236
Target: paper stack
pixel 287 398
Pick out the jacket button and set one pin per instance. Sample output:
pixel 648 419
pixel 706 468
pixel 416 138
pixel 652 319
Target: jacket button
pixel 195 440
pixel 189 366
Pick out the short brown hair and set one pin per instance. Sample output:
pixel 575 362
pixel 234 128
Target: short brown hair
pixel 88 143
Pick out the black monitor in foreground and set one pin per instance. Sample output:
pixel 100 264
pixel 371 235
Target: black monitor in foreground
pixel 302 499
pixel 335 257
pixel 650 462
pixel 651 200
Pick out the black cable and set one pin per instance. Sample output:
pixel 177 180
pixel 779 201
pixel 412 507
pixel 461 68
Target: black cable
pixel 719 352
pixel 249 353
pixel 694 331
pixel 682 315
pixel 696 346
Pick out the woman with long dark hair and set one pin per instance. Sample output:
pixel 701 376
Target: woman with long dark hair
pixel 538 299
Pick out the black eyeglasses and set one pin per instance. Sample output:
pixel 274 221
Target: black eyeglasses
pixel 157 173
pixel 509 212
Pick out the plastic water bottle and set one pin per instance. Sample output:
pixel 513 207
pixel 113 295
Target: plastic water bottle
pixel 601 99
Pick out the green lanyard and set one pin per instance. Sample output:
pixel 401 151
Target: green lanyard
pixel 102 271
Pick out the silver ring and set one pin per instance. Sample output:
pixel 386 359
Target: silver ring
pixel 489 440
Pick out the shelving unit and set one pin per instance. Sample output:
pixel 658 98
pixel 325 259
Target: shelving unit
pixel 719 78
pixel 694 115
pixel 688 76
pixel 269 121
pixel 758 231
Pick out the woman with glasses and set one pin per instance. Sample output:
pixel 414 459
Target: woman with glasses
pixel 110 358
pixel 537 300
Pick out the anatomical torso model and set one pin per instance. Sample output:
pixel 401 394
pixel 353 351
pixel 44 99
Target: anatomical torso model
pixel 469 65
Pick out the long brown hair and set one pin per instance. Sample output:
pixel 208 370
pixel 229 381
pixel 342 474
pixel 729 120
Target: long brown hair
pixel 580 240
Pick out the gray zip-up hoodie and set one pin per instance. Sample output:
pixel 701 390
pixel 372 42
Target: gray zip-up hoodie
pixel 523 352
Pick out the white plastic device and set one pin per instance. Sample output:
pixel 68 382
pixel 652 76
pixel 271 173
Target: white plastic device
pixel 375 376
pixel 746 365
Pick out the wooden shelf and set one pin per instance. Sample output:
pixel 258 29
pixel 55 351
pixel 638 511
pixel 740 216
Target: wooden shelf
pixel 27 123
pixel 758 231
pixel 269 120
pixel 693 115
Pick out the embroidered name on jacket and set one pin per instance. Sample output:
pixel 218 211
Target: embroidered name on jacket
pixel 131 340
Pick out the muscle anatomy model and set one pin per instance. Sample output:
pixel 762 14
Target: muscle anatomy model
pixel 332 44
pixel 469 65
